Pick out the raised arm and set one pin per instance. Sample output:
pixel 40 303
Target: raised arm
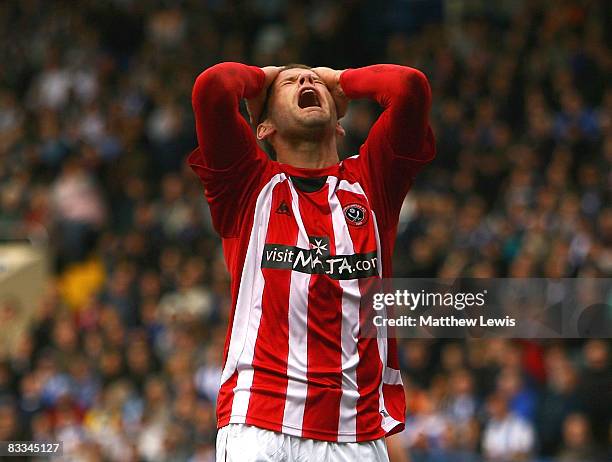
pixel 405 95
pixel 224 136
pixel 228 161
pixel 401 141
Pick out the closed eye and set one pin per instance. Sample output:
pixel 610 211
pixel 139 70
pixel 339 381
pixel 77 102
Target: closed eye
pixel 289 80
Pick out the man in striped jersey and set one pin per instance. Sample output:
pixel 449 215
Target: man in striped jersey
pixel 303 235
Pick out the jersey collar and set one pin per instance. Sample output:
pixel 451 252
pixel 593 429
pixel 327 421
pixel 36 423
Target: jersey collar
pixel 310 172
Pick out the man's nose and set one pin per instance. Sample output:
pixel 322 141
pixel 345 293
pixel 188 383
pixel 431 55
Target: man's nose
pixel 306 78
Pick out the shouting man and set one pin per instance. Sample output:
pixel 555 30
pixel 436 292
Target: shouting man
pixel 302 236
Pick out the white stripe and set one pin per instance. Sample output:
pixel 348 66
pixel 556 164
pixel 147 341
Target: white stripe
pixel 352 157
pixel 247 315
pixel 352 187
pixel 351 296
pixel 297 359
pixel 388 422
pixel 392 376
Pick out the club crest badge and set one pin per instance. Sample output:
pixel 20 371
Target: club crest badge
pixel 355 214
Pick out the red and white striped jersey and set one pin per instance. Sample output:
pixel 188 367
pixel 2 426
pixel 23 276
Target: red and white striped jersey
pixel 301 246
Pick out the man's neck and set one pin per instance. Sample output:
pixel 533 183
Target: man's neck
pixel 307 153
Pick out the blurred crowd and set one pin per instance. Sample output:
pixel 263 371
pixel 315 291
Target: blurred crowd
pixel 122 359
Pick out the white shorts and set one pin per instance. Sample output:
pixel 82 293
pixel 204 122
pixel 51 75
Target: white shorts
pixel 245 443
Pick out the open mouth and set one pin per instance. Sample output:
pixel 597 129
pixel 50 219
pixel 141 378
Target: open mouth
pixel 308 98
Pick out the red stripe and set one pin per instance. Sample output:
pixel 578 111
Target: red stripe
pixel 369 374
pixel 226 392
pixel 395 402
pixel 225 400
pixel 392 356
pixel 269 388
pixel 322 407
pixel 369 369
pixel 234 264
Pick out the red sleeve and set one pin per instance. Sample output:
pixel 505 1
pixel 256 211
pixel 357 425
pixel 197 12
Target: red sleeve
pixel 228 159
pixel 401 141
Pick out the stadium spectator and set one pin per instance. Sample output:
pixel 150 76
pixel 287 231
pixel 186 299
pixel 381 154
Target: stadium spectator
pixel 507 436
pixel 577 444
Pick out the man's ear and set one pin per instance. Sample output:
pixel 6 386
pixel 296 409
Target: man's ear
pixel 340 130
pixel 265 130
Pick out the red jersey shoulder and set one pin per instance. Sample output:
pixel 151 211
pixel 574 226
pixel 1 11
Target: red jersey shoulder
pixel 232 193
pixel 351 169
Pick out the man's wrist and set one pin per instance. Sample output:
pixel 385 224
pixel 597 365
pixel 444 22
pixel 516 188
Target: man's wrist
pixel 339 82
pixel 342 78
pixel 270 73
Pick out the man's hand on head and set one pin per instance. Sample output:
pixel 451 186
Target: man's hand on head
pixel 331 78
pixel 255 105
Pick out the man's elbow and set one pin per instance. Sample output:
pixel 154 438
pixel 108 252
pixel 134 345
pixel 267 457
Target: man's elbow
pixel 211 86
pixel 415 88
pixel 420 82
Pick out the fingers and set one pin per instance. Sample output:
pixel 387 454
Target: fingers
pixel 322 70
pixel 271 69
pixel 271 73
pixel 255 105
pixel 328 75
pixel 331 78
